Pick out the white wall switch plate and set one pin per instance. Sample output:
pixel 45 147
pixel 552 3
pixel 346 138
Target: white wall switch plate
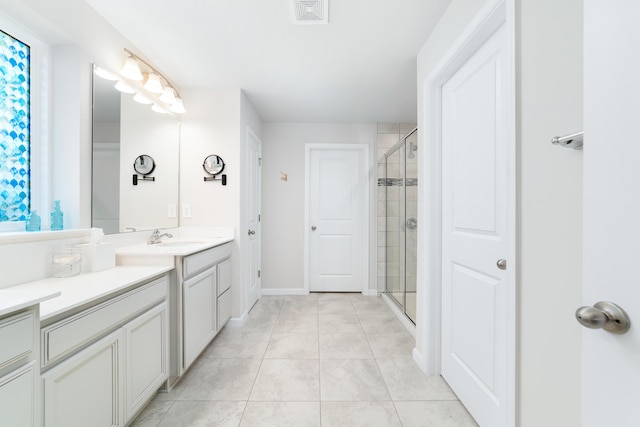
pixel 171 210
pixel 186 211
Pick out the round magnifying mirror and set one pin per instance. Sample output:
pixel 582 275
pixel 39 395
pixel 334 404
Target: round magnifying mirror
pixel 144 164
pixel 213 164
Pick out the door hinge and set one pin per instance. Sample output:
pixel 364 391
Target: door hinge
pixel 259 161
pixel 258 273
pixel 259 216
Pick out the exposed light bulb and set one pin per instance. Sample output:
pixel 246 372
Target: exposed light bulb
pixel 153 84
pixel 131 69
pixel 138 97
pixel 178 107
pixel 123 87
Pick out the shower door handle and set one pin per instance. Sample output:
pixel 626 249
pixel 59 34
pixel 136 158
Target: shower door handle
pixel 412 224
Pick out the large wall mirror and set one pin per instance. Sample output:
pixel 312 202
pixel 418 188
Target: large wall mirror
pixel 123 130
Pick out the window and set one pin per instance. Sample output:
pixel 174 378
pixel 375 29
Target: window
pixel 15 129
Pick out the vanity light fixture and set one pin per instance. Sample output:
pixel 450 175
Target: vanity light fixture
pixel 178 107
pixel 131 69
pixel 153 82
pixel 158 109
pixel 101 72
pixel 138 97
pixel 123 87
pixel 168 95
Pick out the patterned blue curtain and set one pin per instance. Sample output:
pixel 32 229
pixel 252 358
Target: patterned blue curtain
pixel 15 153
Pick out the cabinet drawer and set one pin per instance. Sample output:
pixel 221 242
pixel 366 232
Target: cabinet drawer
pixel 224 276
pixel 16 336
pixel 63 338
pixel 192 264
pixel 224 308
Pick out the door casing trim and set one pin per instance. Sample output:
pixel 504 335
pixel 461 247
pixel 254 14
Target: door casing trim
pixel 426 354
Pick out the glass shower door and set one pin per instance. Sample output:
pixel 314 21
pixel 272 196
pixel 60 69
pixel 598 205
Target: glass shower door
pixel 411 224
pixel 401 183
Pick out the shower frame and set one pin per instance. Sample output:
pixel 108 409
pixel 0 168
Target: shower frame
pixel 401 195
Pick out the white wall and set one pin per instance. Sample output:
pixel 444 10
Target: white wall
pixel 550 188
pixel 549 74
pixel 283 150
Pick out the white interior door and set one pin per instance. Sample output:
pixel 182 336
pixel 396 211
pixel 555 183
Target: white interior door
pixel 611 363
pixel 475 232
pixel 337 189
pixel 253 217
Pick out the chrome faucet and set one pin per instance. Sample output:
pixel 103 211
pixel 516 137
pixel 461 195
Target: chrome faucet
pixel 156 236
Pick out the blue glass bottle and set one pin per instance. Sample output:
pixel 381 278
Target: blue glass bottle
pixel 56 216
pixel 33 221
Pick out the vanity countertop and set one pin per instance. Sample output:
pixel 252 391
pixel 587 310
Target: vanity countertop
pixel 14 298
pixel 76 291
pixel 174 247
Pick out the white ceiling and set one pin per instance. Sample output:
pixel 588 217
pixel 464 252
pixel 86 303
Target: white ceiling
pixel 361 67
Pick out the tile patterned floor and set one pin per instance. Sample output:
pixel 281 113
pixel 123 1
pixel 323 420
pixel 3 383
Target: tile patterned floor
pixel 314 360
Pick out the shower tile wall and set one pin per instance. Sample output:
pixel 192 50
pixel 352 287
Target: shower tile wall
pixel 388 135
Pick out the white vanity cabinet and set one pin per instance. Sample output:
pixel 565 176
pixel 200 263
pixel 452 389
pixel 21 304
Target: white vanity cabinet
pixel 199 314
pixel 102 364
pixel 205 282
pixel 223 299
pixel 18 369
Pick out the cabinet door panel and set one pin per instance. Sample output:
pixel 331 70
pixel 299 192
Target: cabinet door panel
pixel 199 302
pixel 17 397
pixel 86 390
pixel 146 350
pixel 224 309
pixel 224 276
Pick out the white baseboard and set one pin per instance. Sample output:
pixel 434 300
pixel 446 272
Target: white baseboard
pixel 235 322
pixel 283 291
pixel 370 293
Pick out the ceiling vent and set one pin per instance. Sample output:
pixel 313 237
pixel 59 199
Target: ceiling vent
pixel 310 11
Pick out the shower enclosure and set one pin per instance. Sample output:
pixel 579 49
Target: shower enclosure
pixel 401 213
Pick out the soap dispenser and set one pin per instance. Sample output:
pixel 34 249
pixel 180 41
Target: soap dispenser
pixel 56 216
pixel 33 221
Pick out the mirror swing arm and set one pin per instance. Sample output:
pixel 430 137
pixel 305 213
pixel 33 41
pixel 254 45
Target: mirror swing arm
pixel 143 165
pixel 214 165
